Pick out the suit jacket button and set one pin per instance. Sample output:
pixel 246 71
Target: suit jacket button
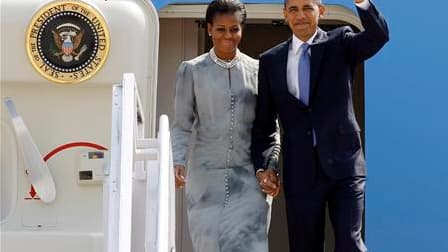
pixel 330 161
pixel 308 132
pixel 310 110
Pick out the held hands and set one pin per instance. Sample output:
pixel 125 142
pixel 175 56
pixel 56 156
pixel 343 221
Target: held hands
pixel 269 182
pixel 179 173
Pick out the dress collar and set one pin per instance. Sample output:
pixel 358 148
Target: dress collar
pixel 223 63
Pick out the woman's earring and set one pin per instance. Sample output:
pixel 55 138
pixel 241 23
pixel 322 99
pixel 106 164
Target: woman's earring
pixel 209 34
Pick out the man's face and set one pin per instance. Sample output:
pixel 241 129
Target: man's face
pixel 303 16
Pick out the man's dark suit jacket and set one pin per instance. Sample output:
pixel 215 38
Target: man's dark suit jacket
pixel 330 113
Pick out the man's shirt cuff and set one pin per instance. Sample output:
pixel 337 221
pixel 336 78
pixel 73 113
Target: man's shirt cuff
pixel 363 5
pixel 259 170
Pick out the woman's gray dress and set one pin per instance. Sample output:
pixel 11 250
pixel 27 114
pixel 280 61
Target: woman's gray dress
pixel 225 207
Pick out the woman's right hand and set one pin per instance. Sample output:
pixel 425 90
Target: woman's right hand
pixel 179 173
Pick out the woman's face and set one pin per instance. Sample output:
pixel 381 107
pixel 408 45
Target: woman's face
pixel 226 32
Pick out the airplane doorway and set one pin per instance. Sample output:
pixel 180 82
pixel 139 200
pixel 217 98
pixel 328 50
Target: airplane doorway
pixel 183 36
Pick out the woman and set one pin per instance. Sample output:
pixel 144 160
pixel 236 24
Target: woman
pixel 215 98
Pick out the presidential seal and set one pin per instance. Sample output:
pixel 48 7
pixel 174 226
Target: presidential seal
pixel 67 41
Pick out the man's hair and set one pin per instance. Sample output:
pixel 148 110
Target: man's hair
pixel 216 7
pixel 317 1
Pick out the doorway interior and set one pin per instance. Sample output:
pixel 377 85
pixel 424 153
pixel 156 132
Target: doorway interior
pixel 183 38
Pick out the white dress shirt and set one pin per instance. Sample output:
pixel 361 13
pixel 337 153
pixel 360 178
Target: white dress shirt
pixel 292 68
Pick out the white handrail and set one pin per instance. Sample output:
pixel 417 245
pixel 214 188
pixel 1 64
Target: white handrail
pixel 165 224
pixel 137 161
pixel 160 197
pixel 128 128
pixel 111 193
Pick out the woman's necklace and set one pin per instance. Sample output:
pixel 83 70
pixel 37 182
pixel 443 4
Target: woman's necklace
pixel 223 63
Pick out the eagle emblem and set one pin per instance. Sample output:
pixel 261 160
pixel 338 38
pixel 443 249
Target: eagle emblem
pixel 70 45
pixel 67 39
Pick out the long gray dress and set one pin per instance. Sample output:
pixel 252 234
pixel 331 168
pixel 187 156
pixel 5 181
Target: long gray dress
pixel 225 207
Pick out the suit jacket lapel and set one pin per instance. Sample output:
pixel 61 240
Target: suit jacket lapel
pixel 317 53
pixel 282 63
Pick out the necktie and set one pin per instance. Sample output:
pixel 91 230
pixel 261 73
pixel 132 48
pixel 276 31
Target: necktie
pixel 304 73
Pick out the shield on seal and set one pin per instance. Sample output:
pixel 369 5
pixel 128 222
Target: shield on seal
pixel 67 47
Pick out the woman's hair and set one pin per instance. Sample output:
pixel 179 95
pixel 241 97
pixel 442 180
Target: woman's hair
pixel 225 7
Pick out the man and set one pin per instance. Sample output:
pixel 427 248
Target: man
pixel 307 81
